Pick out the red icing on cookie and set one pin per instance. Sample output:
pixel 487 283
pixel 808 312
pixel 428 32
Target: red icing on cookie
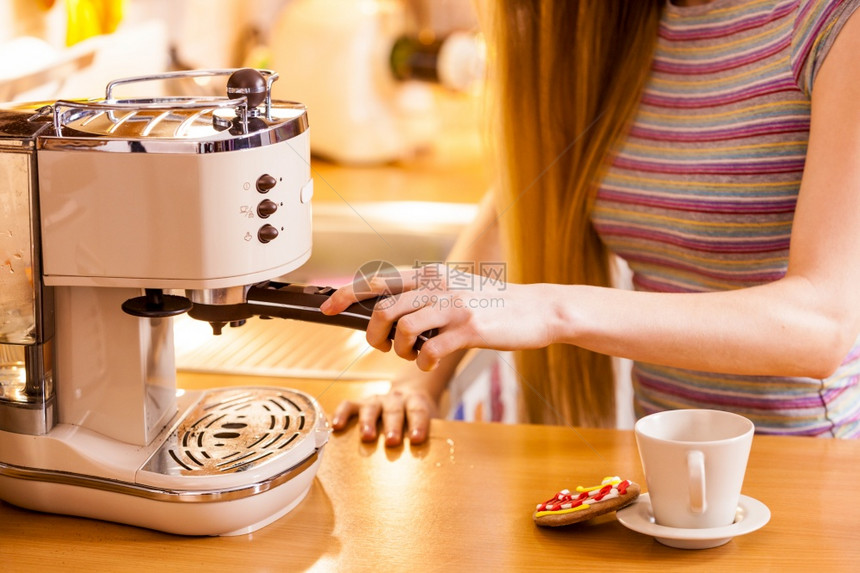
pixel 565 500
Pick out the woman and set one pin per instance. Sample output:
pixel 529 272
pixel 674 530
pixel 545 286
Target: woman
pixel 713 145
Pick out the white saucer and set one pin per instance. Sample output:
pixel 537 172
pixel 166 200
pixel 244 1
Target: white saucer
pixel 751 515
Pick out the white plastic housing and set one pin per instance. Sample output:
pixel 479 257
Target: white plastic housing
pixel 226 518
pixel 178 220
pixel 115 372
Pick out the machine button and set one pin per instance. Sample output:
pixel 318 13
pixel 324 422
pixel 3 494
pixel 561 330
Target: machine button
pixel 265 183
pixel 266 208
pixel 307 191
pixel 267 233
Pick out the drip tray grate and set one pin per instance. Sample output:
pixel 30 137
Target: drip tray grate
pixel 235 431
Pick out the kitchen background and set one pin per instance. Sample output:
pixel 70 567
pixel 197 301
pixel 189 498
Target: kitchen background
pixel 399 162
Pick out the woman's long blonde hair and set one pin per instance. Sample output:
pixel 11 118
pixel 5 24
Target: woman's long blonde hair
pixel 569 77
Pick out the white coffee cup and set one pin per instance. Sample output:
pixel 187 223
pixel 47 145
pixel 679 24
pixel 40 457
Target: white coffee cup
pixel 694 462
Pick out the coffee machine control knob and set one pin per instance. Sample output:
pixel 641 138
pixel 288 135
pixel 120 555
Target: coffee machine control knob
pixel 265 183
pixel 266 207
pixel 267 233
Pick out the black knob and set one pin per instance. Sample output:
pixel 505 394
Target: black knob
pixel 266 208
pixel 267 233
pixel 249 83
pixel 265 182
pixel 156 304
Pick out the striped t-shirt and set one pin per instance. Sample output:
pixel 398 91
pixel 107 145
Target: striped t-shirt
pixel 702 193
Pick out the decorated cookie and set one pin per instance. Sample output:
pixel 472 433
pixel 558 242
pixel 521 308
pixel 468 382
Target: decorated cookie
pixel 586 502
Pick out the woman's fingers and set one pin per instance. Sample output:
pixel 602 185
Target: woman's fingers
pixel 390 281
pixel 393 415
pixel 436 348
pixel 412 313
pixel 368 414
pixel 339 300
pixel 397 409
pixel 367 411
pixel 413 325
pixel 419 410
pixel 381 323
pixel 344 411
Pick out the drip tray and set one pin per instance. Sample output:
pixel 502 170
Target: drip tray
pixel 234 461
pixel 237 438
pixel 232 431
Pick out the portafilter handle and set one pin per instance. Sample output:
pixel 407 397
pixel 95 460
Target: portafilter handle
pixel 292 301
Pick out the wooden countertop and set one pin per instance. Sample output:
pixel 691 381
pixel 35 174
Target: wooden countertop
pixel 463 501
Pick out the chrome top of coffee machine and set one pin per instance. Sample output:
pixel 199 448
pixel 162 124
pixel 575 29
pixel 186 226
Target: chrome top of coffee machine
pixel 107 208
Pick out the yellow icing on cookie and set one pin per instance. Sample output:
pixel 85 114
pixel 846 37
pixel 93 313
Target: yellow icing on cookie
pixel 562 511
pixel 609 480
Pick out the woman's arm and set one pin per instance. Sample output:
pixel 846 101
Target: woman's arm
pixel 800 325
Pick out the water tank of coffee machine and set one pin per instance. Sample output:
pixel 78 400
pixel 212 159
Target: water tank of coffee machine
pixel 26 310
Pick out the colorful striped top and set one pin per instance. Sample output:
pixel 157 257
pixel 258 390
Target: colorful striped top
pixel 702 193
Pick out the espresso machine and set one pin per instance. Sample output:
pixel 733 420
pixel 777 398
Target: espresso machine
pixel 117 214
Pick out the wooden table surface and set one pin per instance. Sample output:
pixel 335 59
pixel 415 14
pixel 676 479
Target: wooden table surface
pixel 463 502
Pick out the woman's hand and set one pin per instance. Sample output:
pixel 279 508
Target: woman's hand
pixel 406 402
pixel 468 311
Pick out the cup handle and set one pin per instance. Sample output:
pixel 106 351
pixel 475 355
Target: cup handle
pixel 696 468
